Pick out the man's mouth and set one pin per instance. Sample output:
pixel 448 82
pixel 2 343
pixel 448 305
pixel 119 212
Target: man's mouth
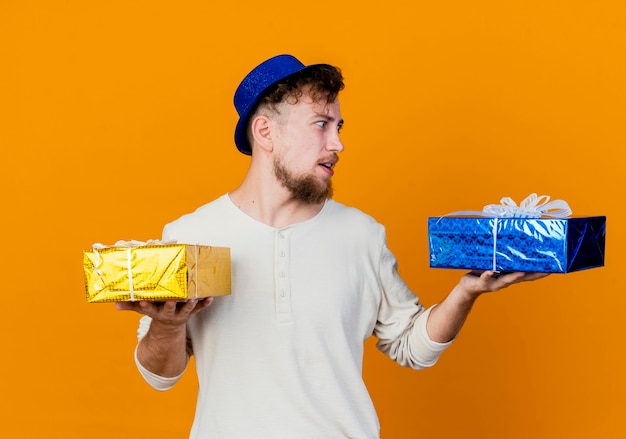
pixel 328 167
pixel 329 164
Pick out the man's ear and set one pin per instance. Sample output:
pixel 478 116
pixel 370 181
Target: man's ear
pixel 261 130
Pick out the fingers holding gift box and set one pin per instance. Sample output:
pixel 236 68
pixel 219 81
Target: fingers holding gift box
pixel 153 271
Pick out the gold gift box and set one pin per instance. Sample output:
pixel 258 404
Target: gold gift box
pixel 156 272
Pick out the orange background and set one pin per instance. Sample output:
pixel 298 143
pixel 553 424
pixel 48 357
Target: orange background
pixel 116 118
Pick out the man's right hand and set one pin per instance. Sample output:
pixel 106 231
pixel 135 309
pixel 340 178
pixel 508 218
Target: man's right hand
pixel 169 313
pixel 163 349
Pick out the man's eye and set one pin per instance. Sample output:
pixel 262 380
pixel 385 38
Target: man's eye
pixel 321 123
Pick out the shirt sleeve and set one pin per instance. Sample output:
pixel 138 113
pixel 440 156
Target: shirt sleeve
pixel 401 326
pixel 155 381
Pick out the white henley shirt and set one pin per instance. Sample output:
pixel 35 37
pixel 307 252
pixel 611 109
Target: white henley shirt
pixel 281 357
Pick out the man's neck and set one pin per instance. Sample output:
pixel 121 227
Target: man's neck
pixel 273 205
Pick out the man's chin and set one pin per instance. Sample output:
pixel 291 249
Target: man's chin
pixel 313 193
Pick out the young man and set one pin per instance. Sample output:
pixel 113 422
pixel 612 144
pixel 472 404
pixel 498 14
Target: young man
pixel 312 279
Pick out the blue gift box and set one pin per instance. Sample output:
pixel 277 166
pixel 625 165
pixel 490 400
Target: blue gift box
pixel 547 245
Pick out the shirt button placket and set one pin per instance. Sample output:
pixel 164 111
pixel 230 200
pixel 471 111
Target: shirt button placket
pixel 282 292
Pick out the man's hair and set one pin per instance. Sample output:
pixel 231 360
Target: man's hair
pixel 321 82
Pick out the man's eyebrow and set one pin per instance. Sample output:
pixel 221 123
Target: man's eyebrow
pixel 325 116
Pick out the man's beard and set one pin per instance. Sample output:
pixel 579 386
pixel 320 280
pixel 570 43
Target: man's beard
pixel 306 189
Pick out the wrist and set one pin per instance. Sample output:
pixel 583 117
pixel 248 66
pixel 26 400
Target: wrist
pixel 162 330
pixel 463 294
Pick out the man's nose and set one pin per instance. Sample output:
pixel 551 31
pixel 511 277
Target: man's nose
pixel 334 143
